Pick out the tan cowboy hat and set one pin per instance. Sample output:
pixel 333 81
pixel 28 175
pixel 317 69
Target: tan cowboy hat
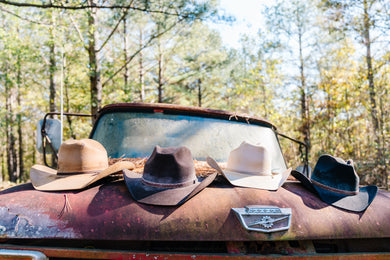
pixel 250 166
pixel 80 163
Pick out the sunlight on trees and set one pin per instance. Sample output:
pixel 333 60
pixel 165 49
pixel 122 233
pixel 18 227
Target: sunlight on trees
pixel 319 70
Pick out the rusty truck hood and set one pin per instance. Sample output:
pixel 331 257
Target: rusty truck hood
pixel 108 212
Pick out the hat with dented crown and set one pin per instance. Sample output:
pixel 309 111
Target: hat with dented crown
pixel 336 183
pixel 250 166
pixel 168 178
pixel 80 163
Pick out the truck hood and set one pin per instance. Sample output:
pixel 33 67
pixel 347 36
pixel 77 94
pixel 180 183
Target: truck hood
pixel 107 211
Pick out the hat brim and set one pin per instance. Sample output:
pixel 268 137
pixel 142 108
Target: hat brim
pixel 357 203
pixel 163 196
pixel 304 180
pixel 265 182
pixel 46 179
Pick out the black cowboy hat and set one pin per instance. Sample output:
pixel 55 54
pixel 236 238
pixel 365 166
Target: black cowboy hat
pixel 336 183
pixel 168 179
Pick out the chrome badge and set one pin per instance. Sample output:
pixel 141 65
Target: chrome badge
pixel 264 218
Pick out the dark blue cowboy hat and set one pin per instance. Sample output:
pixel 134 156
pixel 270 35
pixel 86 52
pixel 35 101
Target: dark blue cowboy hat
pixel 336 183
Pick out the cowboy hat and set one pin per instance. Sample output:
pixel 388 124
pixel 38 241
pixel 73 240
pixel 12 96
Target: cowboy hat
pixel 250 166
pixel 168 179
pixel 80 163
pixel 336 183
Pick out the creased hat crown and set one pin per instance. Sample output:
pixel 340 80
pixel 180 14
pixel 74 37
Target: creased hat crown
pixel 80 163
pixel 339 176
pixel 172 165
pixel 168 179
pixel 336 183
pixel 80 156
pixel 249 158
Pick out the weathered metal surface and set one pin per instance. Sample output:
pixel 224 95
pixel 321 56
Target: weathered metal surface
pixel 70 253
pixel 183 110
pixel 107 212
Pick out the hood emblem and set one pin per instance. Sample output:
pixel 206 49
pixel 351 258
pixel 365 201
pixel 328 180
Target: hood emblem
pixel 264 218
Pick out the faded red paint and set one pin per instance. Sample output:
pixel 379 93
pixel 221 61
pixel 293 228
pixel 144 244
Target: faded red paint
pixel 111 254
pixel 107 212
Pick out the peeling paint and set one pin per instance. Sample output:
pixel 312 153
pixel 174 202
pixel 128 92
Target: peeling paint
pixel 23 225
pixel 87 215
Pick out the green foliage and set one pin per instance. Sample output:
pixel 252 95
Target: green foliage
pixel 166 49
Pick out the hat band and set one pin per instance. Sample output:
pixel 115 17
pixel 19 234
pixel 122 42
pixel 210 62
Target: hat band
pixel 168 185
pixel 344 192
pixel 249 173
pixel 75 173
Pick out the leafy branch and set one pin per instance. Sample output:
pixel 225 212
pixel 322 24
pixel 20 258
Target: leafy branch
pixel 89 6
pixel 22 18
pixel 145 45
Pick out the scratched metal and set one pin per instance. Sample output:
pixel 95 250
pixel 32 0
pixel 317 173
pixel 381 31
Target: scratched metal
pixel 108 212
pixel 118 254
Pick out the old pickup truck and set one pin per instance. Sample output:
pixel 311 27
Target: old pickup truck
pixel 103 220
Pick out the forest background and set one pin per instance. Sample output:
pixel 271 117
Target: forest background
pixel 318 69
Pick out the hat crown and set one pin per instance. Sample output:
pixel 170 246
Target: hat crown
pixel 81 156
pixel 248 158
pixel 172 165
pixel 335 173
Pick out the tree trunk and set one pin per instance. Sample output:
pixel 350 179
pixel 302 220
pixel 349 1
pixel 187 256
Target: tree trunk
pixel 383 115
pixel 94 65
pixel 371 88
pixel 265 100
pixel 52 65
pixel 67 101
pixel 199 92
pixel 160 75
pixel 19 119
pixel 9 122
pixel 2 167
pixel 141 68
pixel 21 152
pixel 33 149
pixel 125 54
pixel 52 85
pixel 305 113
pixel 52 71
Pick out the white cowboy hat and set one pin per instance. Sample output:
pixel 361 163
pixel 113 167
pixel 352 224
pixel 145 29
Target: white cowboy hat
pixel 250 166
pixel 80 163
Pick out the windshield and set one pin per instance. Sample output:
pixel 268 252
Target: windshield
pixel 132 135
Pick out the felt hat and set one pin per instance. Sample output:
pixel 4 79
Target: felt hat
pixel 80 163
pixel 250 166
pixel 336 183
pixel 168 178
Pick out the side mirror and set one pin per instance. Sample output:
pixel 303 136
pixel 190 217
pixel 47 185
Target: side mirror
pixel 50 133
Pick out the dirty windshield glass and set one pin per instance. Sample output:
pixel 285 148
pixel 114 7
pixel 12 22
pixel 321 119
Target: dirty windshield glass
pixel 132 135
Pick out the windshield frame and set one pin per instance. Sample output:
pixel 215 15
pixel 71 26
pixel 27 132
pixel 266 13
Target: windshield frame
pixel 170 109
pixel 181 110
